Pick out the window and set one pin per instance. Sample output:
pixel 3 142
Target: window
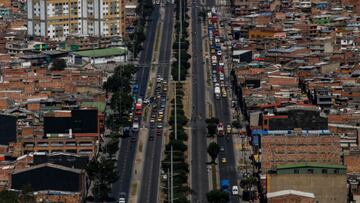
pixel 324 171
pixel 310 171
pixel 336 171
pixel 296 171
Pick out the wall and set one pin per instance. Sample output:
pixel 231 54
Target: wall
pixel 291 199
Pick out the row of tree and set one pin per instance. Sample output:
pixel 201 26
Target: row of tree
pixel 184 43
pixel 180 167
pixel 102 169
pixel 134 40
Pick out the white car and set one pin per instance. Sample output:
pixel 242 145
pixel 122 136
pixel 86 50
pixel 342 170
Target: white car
pixel 221 76
pixel 122 198
pixel 235 190
pixel 135 126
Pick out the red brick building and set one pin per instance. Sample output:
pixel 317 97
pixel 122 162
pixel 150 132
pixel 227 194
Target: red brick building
pixel 291 149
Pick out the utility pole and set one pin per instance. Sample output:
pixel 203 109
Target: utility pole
pixel 168 185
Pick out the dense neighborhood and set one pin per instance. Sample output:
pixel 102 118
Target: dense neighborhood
pixel 180 101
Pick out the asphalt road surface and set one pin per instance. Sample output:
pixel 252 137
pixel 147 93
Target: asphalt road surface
pixel 149 191
pixel 222 111
pixel 127 149
pixel 199 172
pixel 228 170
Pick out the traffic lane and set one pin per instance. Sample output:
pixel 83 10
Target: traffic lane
pixel 156 171
pixel 146 182
pixel 124 166
pixel 165 49
pixel 199 157
pixel 228 170
pixel 143 76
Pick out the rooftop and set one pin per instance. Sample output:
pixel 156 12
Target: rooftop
pixel 310 165
pixel 290 192
pixel 102 52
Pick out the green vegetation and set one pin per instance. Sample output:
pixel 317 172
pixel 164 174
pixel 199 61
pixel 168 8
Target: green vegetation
pixel 213 150
pixel 102 170
pixel 184 44
pixel 248 182
pixel 25 196
pixel 217 196
pixel 135 40
pixel 181 168
pixel 119 86
pixel 211 126
pixel 102 173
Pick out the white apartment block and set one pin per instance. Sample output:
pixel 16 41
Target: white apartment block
pixel 55 19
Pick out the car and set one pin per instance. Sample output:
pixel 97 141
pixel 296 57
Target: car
pixel 159 125
pixel 224 94
pixel 217 85
pixel 159 80
pixel 152 120
pixel 214 71
pixel 214 80
pixel 135 126
pixel 222 149
pixel 158 132
pixel 221 76
pixel 146 101
pixel 122 198
pixel 235 190
pixel 151 137
pixel 223 160
pixel 159 119
pixel 133 138
pixel 228 129
pixel 219 53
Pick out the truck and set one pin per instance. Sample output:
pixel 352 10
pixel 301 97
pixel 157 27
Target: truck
pixel 138 109
pixel 220 129
pixel 217 92
pixel 225 185
pixel 135 89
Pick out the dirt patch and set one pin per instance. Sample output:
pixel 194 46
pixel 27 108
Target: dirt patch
pixel 186 98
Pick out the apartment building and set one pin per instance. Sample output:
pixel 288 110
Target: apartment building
pixel 57 19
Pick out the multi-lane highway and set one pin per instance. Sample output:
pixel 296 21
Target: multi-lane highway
pixel 199 172
pixel 127 149
pixel 149 191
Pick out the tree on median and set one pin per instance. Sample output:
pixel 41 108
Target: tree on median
pixel 217 196
pixel 213 150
